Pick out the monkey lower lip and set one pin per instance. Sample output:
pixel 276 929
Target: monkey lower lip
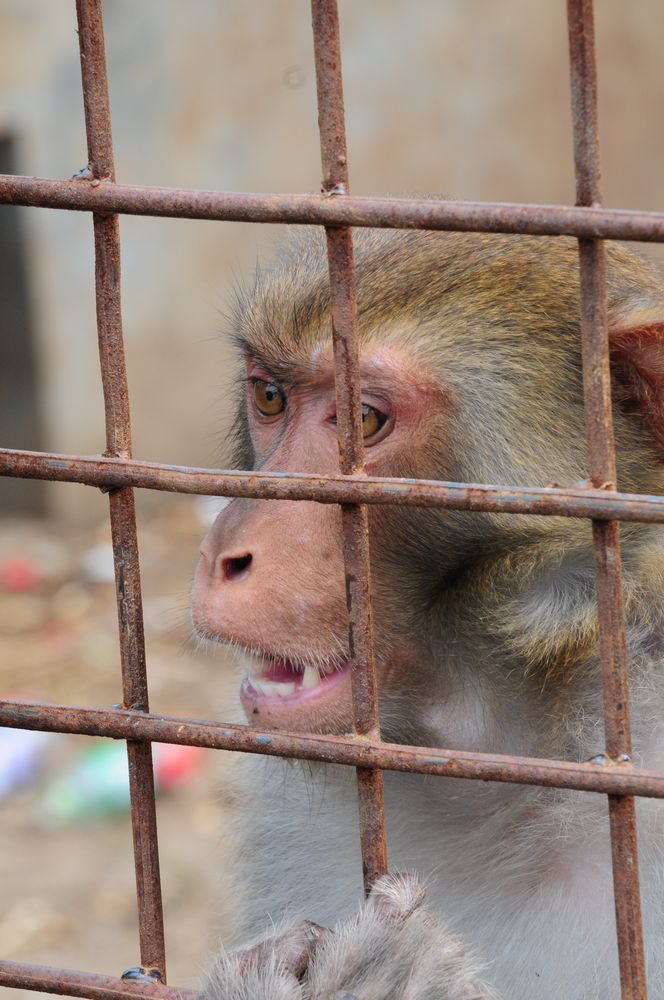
pixel 280 680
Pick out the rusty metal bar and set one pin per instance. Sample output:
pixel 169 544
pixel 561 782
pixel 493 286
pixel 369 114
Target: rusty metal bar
pixel 122 514
pixel 355 518
pixel 72 983
pixel 353 751
pixel 83 195
pixel 111 473
pixel 602 467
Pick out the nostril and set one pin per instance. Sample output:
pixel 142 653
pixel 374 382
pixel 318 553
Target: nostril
pixel 237 567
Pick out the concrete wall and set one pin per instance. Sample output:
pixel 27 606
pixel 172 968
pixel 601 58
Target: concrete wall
pixel 467 98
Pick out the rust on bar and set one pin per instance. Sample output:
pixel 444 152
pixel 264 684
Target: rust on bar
pixel 329 91
pixel 625 862
pixel 355 525
pixel 122 514
pixel 602 468
pixel 72 983
pixel 355 518
pixel 110 473
pixel 82 195
pixel 614 777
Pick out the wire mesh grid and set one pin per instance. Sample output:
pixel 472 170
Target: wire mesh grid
pixel 118 474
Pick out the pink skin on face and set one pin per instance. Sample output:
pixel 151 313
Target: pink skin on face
pixel 287 600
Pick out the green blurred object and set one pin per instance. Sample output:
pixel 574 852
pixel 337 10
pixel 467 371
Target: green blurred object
pixel 96 786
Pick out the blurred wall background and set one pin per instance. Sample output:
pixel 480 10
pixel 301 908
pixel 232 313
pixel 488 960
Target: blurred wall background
pixel 466 98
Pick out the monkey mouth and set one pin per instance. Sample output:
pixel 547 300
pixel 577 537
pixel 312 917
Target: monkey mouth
pixel 275 681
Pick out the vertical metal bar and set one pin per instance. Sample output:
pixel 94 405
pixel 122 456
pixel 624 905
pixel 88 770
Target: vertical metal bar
pixel 349 426
pixel 602 468
pixel 123 519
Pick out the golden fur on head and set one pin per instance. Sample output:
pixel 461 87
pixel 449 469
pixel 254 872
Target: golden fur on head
pixel 432 276
pixel 495 318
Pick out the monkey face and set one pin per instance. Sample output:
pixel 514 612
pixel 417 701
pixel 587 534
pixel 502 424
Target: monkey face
pixel 470 372
pixel 271 577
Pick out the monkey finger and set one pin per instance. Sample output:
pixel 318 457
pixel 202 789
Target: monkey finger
pixel 292 948
pixel 269 969
pixel 234 978
pixel 394 949
pixel 399 897
pixel 396 896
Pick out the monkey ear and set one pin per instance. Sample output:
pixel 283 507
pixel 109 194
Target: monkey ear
pixel 637 367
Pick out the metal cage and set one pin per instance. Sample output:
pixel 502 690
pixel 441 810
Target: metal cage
pixel 118 474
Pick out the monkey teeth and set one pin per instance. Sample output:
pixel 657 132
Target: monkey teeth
pixel 311 678
pixel 279 679
pixel 272 689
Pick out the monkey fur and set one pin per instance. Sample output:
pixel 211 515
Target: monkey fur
pixel 485 624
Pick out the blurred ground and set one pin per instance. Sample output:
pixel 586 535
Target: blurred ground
pixel 68 895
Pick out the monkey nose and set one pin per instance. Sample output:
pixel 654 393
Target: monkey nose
pixel 234 568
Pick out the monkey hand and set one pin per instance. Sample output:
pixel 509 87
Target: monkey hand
pixel 271 969
pixel 392 949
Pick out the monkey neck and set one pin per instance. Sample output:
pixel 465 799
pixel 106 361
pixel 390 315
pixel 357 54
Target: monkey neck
pixel 519 626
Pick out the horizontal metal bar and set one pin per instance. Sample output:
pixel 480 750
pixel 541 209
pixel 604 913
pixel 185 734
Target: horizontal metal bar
pixel 113 473
pixel 328 210
pixel 123 724
pixel 72 983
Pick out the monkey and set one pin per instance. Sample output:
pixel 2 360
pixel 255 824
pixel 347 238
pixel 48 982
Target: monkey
pixel 485 624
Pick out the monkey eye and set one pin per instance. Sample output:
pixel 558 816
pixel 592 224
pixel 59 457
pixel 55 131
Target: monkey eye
pixel 372 420
pixel 269 398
